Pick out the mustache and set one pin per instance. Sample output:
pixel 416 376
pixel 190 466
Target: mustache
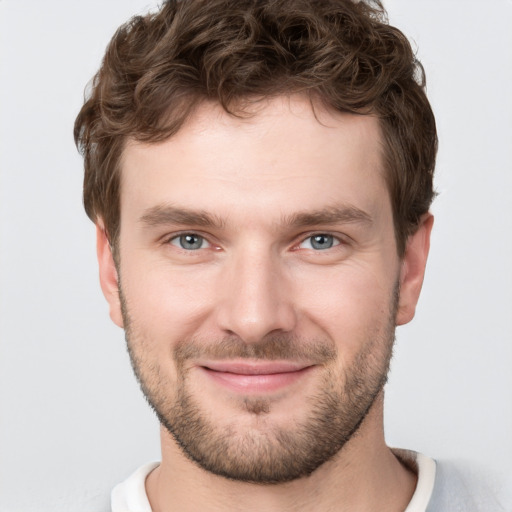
pixel 272 347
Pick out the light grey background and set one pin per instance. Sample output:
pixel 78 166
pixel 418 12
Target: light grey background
pixel 72 420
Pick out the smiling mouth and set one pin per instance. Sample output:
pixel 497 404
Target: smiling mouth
pixel 255 377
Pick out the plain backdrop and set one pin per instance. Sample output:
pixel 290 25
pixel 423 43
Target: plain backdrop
pixel 72 419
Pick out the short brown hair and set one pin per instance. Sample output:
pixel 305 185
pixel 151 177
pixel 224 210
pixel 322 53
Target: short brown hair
pixel 159 67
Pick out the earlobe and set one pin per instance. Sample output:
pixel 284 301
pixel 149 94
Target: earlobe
pixel 413 269
pixel 108 274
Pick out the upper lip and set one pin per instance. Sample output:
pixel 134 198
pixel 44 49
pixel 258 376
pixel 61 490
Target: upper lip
pixel 254 367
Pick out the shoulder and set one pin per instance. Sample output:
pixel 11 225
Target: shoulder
pixel 462 486
pixel 130 495
pixel 456 486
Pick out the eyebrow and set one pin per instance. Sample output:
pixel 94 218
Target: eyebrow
pixel 167 214
pixel 328 216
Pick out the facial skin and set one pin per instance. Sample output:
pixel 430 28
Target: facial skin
pixel 258 283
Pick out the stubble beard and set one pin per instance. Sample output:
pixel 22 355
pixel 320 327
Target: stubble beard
pixel 270 454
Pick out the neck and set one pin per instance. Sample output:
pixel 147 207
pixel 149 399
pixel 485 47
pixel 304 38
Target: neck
pixel 363 476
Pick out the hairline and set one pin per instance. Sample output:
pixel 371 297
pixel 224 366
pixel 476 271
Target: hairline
pixel 318 104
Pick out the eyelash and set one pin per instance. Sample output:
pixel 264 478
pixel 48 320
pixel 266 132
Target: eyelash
pixel 177 237
pixel 336 241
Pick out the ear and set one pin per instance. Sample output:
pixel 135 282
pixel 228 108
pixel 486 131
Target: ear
pixel 109 279
pixel 413 269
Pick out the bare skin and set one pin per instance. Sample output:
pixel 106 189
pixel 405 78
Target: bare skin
pixel 273 188
pixel 366 477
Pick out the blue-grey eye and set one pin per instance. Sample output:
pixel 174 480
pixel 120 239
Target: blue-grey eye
pixel 319 242
pixel 190 242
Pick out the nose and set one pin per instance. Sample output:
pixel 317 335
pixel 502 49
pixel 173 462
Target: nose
pixel 256 297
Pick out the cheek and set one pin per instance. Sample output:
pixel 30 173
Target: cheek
pixel 349 303
pixel 166 302
pixel 352 304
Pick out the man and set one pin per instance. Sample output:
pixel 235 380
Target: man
pixel 260 175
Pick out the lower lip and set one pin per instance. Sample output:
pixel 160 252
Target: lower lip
pixel 254 384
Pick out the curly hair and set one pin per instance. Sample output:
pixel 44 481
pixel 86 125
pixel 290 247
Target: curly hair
pixel 159 67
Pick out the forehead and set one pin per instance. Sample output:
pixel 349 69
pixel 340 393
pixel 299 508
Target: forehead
pixel 287 154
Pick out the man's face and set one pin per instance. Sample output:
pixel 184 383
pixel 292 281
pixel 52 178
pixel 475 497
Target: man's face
pixel 259 284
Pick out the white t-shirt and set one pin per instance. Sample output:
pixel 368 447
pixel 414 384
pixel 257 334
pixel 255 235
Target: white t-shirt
pixel 130 495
